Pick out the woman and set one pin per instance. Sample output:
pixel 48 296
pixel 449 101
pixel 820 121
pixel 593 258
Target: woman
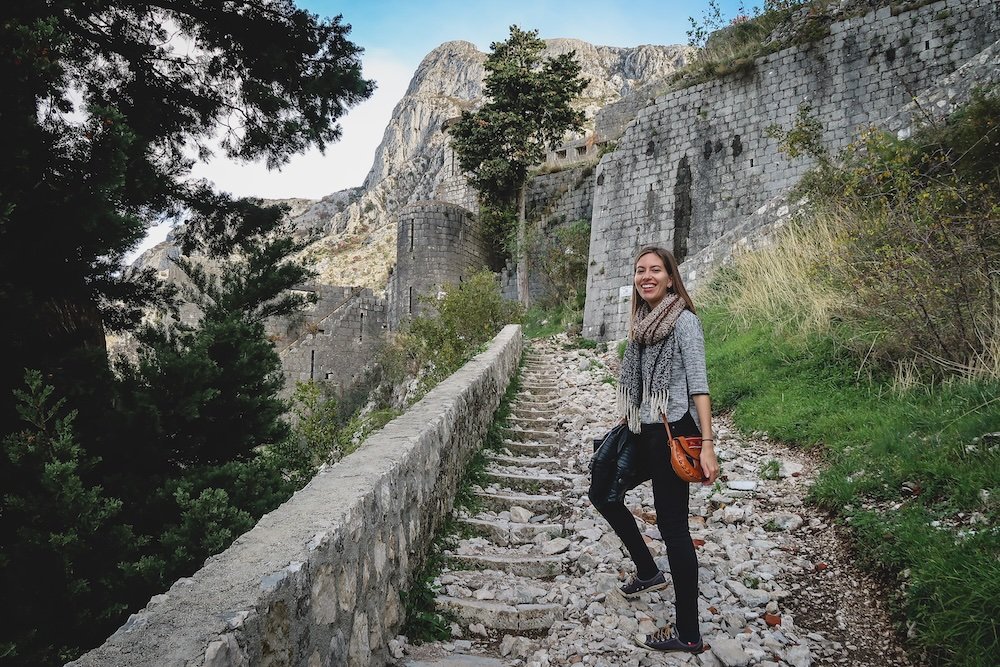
pixel 663 372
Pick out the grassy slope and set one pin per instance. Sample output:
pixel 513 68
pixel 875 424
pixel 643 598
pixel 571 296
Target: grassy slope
pixel 875 440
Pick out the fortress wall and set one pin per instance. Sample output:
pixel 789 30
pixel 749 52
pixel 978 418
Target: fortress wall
pixel 437 243
pixel 336 347
pixel 318 580
pixel 695 164
pixel 552 200
pixel 562 196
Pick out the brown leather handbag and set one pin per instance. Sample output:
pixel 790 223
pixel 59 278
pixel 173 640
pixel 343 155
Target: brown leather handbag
pixel 685 455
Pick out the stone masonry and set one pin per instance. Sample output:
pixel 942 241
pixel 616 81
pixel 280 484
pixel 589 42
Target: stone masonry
pixel 339 337
pixel 552 200
pixel 693 165
pixel 437 243
pixel 318 580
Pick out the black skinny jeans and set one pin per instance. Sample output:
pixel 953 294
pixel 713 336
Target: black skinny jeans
pixel 670 498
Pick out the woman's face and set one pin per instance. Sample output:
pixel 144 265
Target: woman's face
pixel 652 279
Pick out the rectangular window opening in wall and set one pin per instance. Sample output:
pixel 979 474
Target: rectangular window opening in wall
pixel 312 364
pixel 361 328
pixel 561 154
pixel 409 301
pixel 412 224
pixel 581 150
pixel 329 376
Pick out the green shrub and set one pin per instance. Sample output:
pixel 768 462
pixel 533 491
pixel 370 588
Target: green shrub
pixel 433 346
pixel 56 530
pixel 561 257
pixel 317 422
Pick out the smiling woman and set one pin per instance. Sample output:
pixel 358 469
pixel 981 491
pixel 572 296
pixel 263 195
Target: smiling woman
pixel 663 379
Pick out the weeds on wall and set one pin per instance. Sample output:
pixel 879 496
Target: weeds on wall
pixel 431 347
pixel 897 255
pixel 424 623
pixel 560 257
pixel 804 137
pixel 730 46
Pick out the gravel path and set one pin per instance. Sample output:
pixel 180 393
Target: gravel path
pixel 539 587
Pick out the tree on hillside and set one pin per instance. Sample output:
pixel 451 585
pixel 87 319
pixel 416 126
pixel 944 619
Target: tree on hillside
pixel 527 111
pixel 105 106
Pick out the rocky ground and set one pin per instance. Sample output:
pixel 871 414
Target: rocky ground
pixel 540 585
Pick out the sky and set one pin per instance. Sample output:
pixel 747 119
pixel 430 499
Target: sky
pixel 397 34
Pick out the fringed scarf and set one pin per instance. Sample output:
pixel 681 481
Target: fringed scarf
pixel 647 361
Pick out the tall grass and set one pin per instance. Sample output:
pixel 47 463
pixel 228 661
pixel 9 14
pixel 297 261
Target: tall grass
pixel 787 284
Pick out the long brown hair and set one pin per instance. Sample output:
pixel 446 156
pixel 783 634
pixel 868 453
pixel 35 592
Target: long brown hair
pixel 670 264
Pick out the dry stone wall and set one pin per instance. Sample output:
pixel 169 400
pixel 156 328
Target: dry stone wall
pixel 693 165
pixel 317 581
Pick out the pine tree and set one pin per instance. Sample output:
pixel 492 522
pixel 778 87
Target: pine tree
pixel 528 110
pixel 59 536
pixel 105 106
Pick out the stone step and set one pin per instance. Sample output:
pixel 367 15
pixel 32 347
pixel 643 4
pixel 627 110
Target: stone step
pixel 530 461
pixel 544 393
pixel 548 400
pixel 532 483
pixel 531 409
pixel 528 384
pixel 499 616
pixel 537 566
pixel 530 448
pixel 534 414
pixel 458 660
pixel 508 533
pixel 536 435
pixel 536 503
pixel 529 403
pixel 533 423
pixel 523 415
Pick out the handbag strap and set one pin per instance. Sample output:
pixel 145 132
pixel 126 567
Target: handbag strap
pixel 670 436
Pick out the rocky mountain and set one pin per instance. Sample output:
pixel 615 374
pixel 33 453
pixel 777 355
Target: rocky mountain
pixel 356 227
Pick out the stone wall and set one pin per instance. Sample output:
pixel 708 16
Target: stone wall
pixel 693 165
pixel 561 196
pixel 452 186
pixel 552 200
pixel 437 243
pixel 340 334
pixel 317 581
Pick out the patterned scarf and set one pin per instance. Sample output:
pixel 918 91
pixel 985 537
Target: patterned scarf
pixel 647 360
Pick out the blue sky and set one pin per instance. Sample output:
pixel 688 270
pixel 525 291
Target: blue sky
pixel 397 34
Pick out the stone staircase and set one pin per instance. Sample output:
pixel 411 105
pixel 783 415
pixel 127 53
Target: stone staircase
pixel 500 577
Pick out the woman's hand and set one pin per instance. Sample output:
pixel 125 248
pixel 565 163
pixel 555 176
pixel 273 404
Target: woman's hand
pixel 709 464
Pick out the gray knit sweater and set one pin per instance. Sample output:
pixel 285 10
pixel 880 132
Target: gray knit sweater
pixel 688 376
